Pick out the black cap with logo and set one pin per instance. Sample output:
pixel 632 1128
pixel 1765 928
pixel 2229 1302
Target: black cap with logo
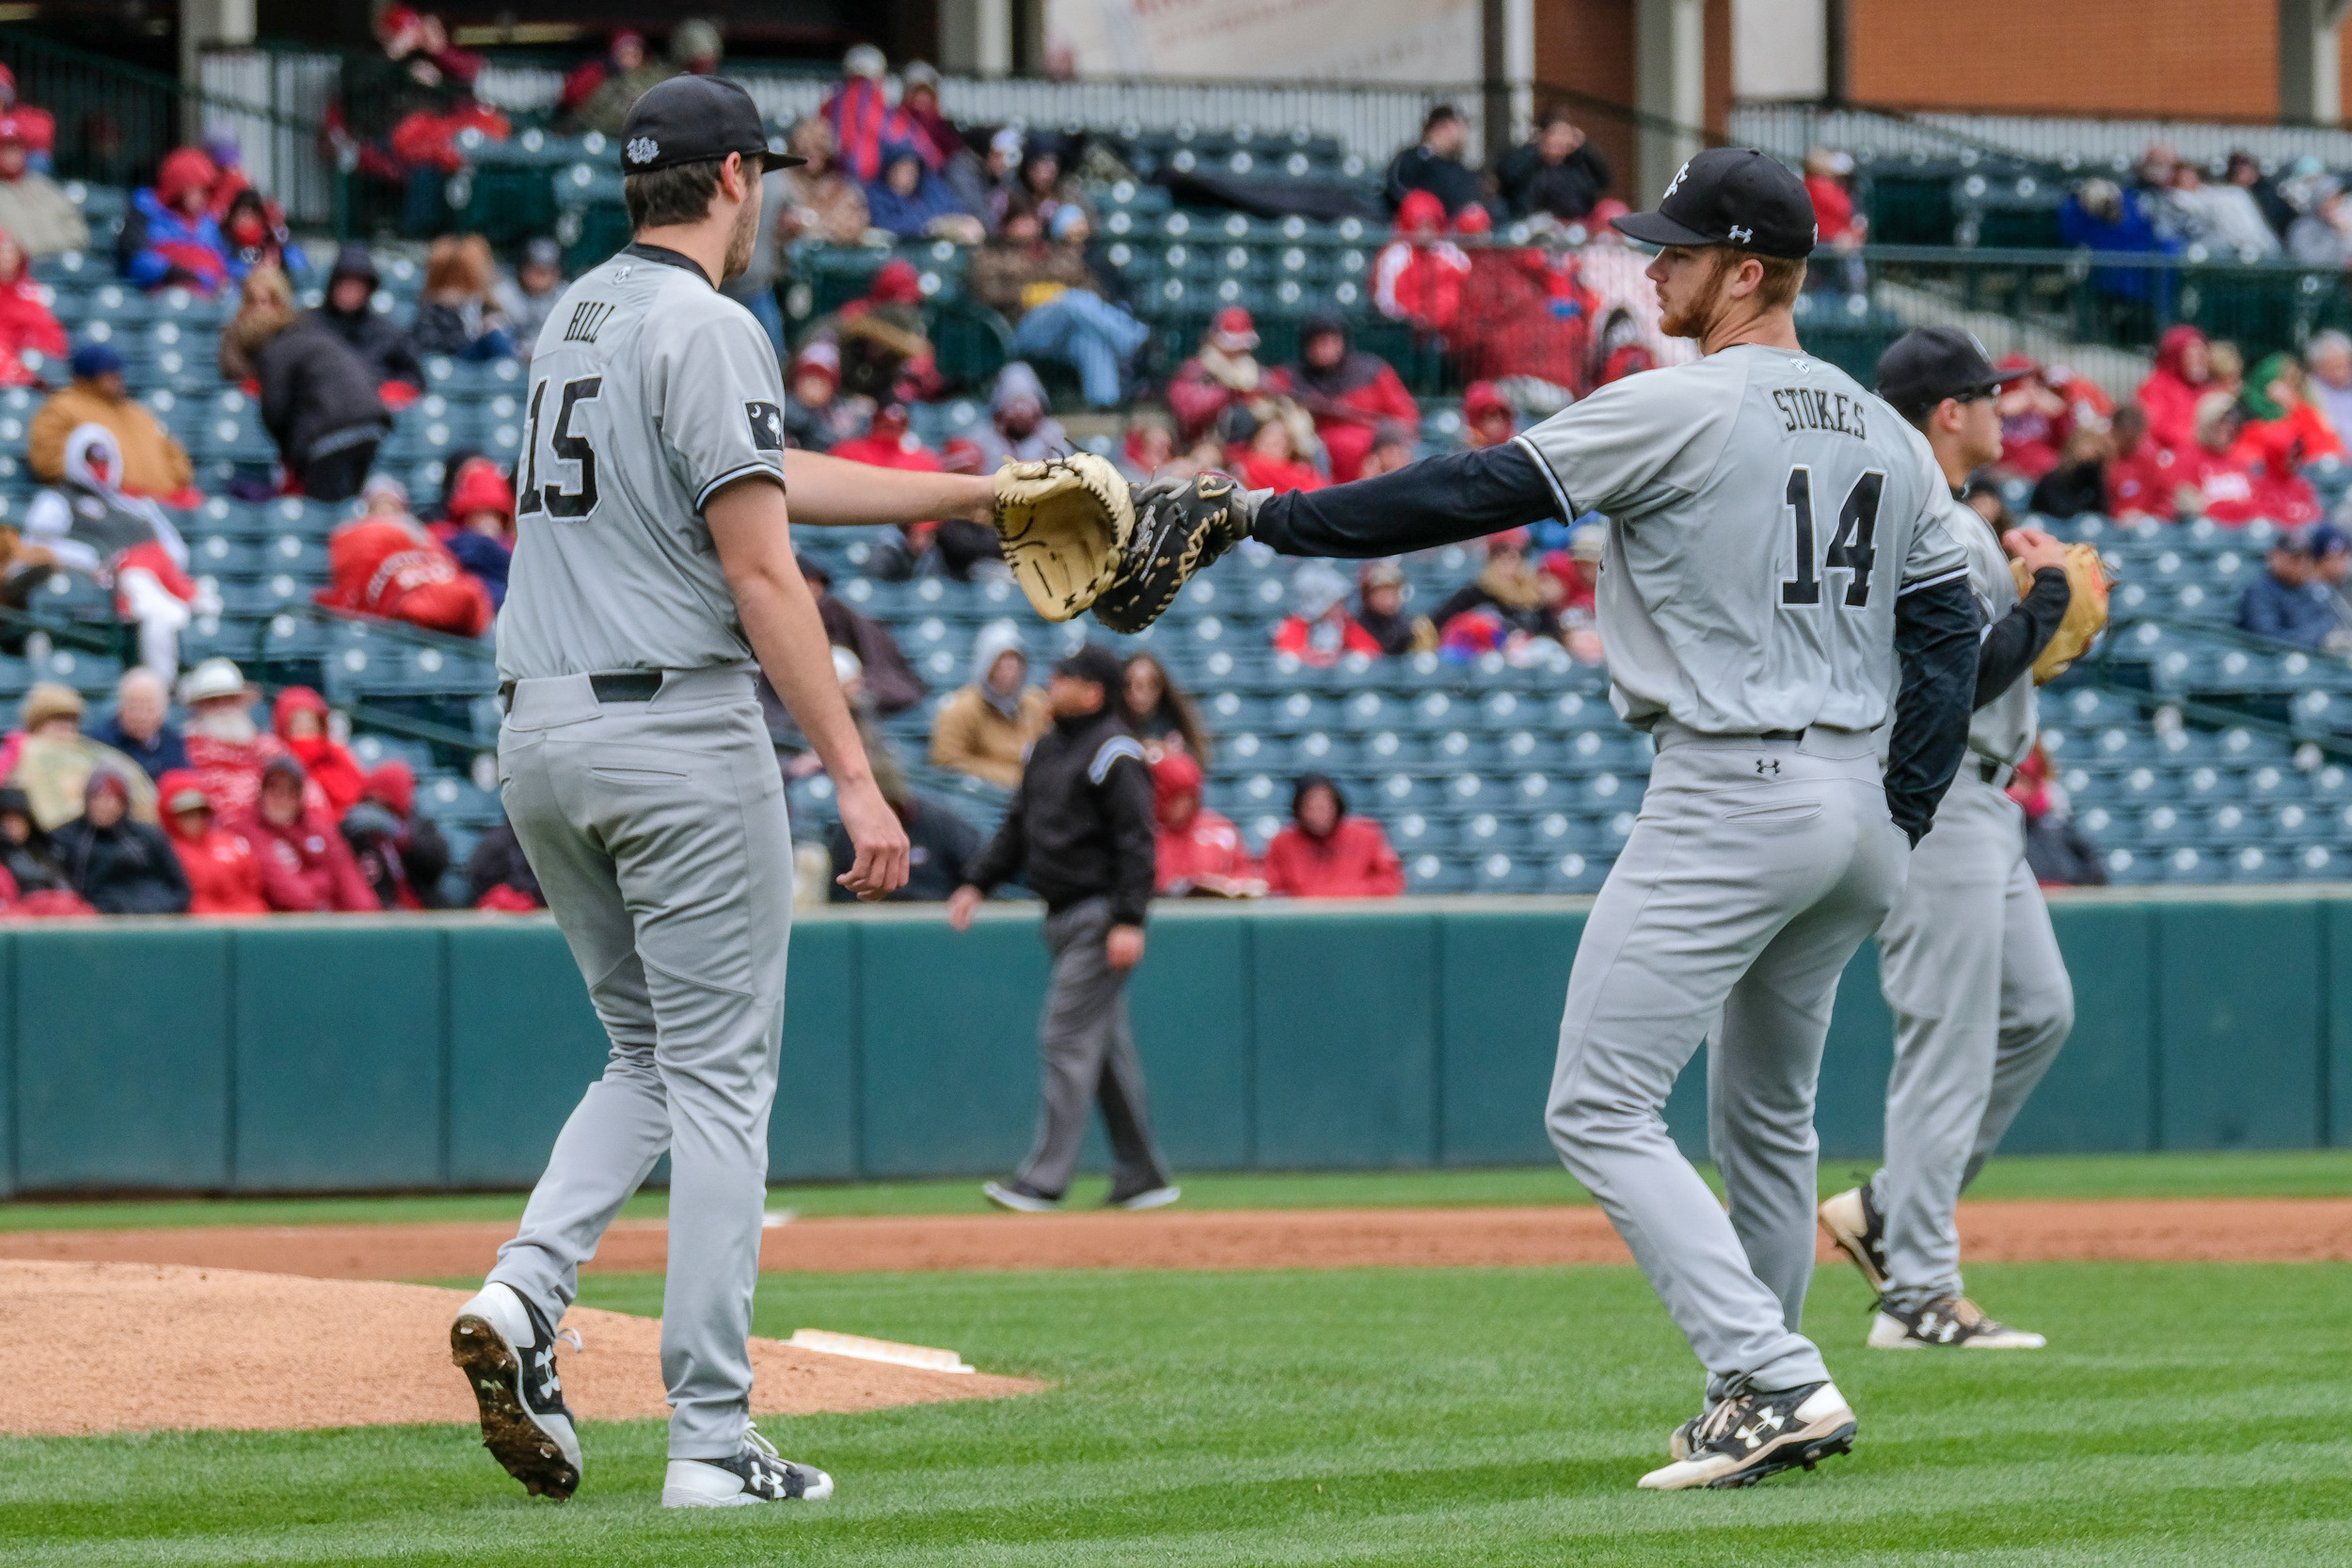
pixel 1731 195
pixel 1928 364
pixel 693 120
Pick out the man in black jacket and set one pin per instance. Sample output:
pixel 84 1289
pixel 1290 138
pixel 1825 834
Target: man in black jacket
pixel 381 342
pixel 1080 834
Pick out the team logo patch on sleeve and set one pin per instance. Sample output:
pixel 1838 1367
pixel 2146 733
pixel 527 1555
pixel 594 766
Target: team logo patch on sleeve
pixel 766 421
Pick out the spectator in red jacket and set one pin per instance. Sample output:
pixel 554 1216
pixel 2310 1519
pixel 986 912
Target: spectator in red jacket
pixel 1200 853
pixel 2139 475
pixel 2232 483
pixel 386 564
pixel 1348 392
pixel 1829 181
pixel 1325 853
pixel 300 720
pixel 1487 420
pixel 1223 373
pixel 307 868
pixel 224 874
pixel 1319 631
pixel 1418 276
pixel 168 235
pixel 227 749
pixel 38 126
pixel 2169 396
pixel 26 324
pixel 1263 456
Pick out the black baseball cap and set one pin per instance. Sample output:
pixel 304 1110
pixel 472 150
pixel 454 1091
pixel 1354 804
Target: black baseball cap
pixel 1928 364
pixel 1731 195
pixel 692 119
pixel 1092 661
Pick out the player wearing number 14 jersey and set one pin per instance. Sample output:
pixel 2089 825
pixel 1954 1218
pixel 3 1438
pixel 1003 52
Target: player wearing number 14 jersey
pixel 1778 584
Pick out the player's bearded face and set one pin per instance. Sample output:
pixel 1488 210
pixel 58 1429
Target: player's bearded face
pixel 1692 288
pixel 744 235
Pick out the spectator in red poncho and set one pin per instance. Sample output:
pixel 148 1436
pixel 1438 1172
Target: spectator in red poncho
pixel 2169 396
pixel 1828 180
pixel 389 565
pixel 307 868
pixel 1418 277
pixel 1268 460
pixel 2231 484
pixel 2139 482
pixel 865 121
pixel 1319 631
pixel 1325 853
pixel 27 324
pixel 39 127
pixel 300 720
pixel 1198 852
pixel 224 874
pixel 1347 391
pixel 888 444
pixel 225 748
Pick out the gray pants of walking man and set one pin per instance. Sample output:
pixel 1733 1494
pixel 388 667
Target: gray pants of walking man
pixel 658 831
pixel 1090 1054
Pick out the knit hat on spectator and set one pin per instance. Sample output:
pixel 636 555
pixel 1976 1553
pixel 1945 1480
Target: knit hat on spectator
pixel 865 60
pixel 214 678
pixel 92 360
pixel 480 488
pixel 385 485
pixel 47 700
pixel 1092 661
pixel 1233 331
pixel 105 781
pixel 394 785
pixel 544 252
pixel 183 173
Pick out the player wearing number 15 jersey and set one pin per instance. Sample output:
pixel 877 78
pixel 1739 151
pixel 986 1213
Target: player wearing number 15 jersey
pixel 1776 552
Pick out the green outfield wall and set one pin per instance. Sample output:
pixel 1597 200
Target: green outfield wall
pixel 333 1054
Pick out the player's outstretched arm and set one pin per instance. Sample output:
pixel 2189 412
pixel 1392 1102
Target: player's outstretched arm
pixel 751 530
pixel 833 492
pixel 1437 501
pixel 1936 630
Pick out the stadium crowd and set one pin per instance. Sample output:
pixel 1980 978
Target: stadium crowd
pixel 225 814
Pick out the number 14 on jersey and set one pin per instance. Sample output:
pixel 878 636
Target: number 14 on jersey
pixel 1850 549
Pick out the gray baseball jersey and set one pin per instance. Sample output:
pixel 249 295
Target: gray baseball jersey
pixel 2004 728
pixel 1765 514
pixel 651 390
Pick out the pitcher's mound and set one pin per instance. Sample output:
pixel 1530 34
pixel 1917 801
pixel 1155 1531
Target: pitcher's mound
pixel 127 1347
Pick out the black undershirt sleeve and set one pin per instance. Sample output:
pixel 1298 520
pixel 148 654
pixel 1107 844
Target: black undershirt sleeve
pixel 1936 631
pixel 1437 501
pixel 2018 637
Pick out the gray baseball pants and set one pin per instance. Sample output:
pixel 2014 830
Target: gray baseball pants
pixel 657 831
pixel 1089 1049
pixel 1982 1002
pixel 1754 871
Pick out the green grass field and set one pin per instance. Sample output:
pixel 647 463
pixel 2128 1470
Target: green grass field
pixel 2319 1173
pixel 2184 1415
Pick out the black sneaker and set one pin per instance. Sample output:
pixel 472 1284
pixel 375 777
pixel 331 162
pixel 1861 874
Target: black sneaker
pixel 1854 1222
pixel 1954 1323
pixel 1742 1439
pixel 757 1475
pixel 506 1350
pixel 1019 1197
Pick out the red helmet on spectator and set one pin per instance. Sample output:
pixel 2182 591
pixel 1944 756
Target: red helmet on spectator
pixel 480 487
pixel 185 172
pixel 1420 213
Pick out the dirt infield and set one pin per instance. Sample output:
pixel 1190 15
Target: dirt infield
pixel 122 1347
pixel 2165 1230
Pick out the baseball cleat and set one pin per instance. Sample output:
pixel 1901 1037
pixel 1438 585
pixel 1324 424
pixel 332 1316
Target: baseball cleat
pixel 1019 1197
pixel 1745 1437
pixel 507 1352
pixel 1678 1442
pixel 1854 1222
pixel 1150 1197
pixel 1954 1323
pixel 757 1475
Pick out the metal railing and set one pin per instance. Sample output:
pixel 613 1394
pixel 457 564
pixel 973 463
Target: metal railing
pixel 2090 143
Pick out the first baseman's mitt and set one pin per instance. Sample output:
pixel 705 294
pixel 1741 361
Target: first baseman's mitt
pixel 2087 582
pixel 1078 536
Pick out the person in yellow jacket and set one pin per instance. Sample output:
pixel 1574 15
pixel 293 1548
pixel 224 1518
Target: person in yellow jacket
pixel 986 728
pixel 153 465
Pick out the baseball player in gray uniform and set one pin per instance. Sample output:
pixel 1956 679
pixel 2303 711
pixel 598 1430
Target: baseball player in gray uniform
pixel 653 574
pixel 1777 546
pixel 1968 962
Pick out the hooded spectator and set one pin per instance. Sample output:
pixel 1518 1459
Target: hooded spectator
pixel 1045 183
pixel 1325 853
pixel 498 874
pixel 307 868
pixel 140 727
pixel 889 444
pixel 866 126
pixel 1433 165
pixel 1555 172
pixel 153 465
pixel 319 399
pixel 1224 374
pixel 252 236
pixel 2139 482
pixel 1019 427
pixel 32 206
pixel 985 730
pixel 29 859
pixel 300 718
pixel 2168 396
pixel 885 353
pixel 1347 392
pixel 1158 712
pixel 224 874
pixel 51 760
pixel 119 864
pixel 1265 456
pixel 382 343
pixel 387 565
pixel 912 203
pixel 168 236
pixel 401 855
pixel 225 748
pixel 1488 418
pixel 1196 853
pixel 1417 279
pixel 456 314
pixel 2078 482
pixel 480 529
pixel 822 202
pixel 1380 610
pixel 1040 280
pixel 30 337
pixel 88 525
pixel 1508 588
pixel 1319 631
pixel 529 298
